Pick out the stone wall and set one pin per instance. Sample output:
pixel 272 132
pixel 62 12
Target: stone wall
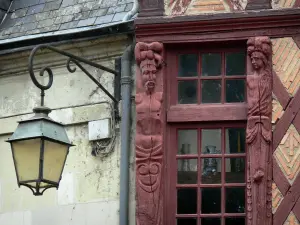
pixel 89 190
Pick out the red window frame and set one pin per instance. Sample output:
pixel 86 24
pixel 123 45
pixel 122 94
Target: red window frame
pixel 171 170
pixel 206 115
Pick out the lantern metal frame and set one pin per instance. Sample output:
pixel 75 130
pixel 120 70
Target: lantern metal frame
pixel 41 116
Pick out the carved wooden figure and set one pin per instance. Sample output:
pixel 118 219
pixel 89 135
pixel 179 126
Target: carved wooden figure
pixel 149 134
pixel 259 131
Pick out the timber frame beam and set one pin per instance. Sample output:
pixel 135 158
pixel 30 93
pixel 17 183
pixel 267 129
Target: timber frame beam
pixel 218 27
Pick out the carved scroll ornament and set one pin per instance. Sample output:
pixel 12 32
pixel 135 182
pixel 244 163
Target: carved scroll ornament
pixel 259 132
pixel 149 134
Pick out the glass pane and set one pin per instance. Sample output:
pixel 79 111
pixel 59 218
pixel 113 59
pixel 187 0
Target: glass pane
pixel 235 140
pixel 187 171
pixel 187 92
pixel 186 221
pixel 211 141
pixel 54 160
pixel 187 201
pixel 235 63
pixel 27 158
pixel 211 221
pixel 211 64
pixel 235 200
pixel 235 170
pixel 188 65
pixel 211 91
pixel 211 170
pixel 187 142
pixel 211 200
pixel 235 90
pixel 235 221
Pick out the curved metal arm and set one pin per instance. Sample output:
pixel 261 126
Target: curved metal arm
pixel 72 58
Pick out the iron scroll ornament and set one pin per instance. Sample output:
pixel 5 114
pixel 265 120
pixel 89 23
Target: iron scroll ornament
pixel 71 59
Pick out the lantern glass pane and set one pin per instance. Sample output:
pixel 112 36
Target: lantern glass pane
pixel 27 158
pixel 54 159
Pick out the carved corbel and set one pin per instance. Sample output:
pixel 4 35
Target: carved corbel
pixel 259 131
pixel 149 133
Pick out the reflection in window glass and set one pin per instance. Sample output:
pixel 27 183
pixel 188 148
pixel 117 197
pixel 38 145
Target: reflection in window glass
pixel 211 64
pixel 235 170
pixel 235 90
pixel 211 141
pixel 210 221
pixel 187 142
pixel 235 63
pixel 235 140
pixel 211 91
pixel 187 171
pixel 235 200
pixel 188 65
pixel 211 200
pixel 186 221
pixel 187 92
pixel 187 201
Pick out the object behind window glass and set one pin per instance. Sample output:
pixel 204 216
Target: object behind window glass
pixel 210 164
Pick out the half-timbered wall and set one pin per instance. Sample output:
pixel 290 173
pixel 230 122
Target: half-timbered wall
pixel 286 131
pixel 194 7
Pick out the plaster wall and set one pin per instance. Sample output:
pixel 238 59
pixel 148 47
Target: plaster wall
pixel 89 190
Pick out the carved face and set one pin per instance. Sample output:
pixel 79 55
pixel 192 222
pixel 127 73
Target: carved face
pixel 149 77
pixel 257 60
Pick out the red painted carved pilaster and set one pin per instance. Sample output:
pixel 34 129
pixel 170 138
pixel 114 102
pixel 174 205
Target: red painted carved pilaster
pixel 149 133
pixel 259 131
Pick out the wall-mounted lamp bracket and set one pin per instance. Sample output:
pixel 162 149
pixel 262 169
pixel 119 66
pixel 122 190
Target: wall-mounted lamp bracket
pixel 71 59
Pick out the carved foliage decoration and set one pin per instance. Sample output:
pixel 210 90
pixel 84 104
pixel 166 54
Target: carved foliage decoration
pixel 149 133
pixel 259 131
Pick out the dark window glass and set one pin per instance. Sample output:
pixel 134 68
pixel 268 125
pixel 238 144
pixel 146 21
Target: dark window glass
pixel 211 200
pixel 186 221
pixel 187 201
pixel 235 90
pixel 188 65
pixel 187 92
pixel 187 171
pixel 235 63
pixel 235 221
pixel 235 170
pixel 211 91
pixel 235 200
pixel 187 142
pixel 211 64
pixel 235 140
pixel 211 221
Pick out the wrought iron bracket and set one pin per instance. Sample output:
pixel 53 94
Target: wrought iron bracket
pixel 71 59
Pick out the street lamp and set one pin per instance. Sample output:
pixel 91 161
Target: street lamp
pixel 40 145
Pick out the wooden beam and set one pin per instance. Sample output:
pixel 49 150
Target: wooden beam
pixel 279 178
pixel 197 113
pixel 151 8
pixel 280 92
pixel 287 204
pixel 285 121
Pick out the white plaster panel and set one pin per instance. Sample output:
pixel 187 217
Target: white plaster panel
pixel 16 218
pixel 65 192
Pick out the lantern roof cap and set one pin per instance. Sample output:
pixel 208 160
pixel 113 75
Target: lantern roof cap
pixel 40 126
